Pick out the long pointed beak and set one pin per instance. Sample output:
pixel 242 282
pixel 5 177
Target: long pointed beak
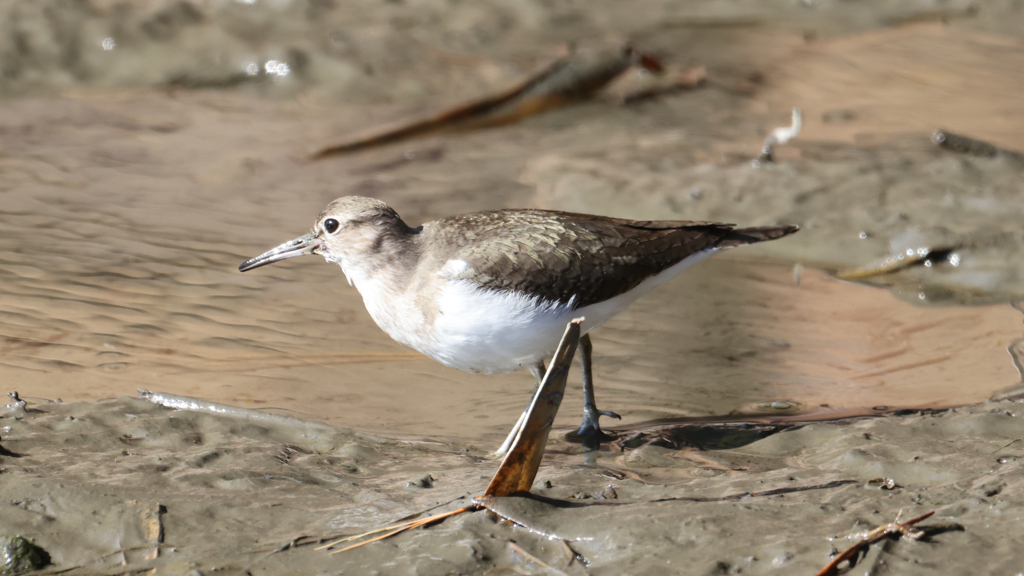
pixel 299 247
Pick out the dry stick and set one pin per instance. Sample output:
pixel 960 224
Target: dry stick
pixel 569 79
pixel 873 536
pixel 447 118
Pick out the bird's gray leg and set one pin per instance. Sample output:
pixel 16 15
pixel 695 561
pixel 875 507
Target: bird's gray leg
pixel 538 372
pixel 590 429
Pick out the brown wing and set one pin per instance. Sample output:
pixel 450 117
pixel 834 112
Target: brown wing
pixel 556 254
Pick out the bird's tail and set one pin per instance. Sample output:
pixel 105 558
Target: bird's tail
pixel 753 235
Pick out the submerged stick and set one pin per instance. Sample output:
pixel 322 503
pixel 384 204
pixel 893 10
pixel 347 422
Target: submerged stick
pixel 890 529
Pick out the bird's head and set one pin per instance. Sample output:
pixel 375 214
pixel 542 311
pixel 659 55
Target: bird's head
pixel 351 231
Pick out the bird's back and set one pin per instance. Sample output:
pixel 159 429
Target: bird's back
pixel 560 256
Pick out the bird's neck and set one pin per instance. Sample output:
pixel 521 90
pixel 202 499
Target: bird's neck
pixel 392 290
pixel 386 262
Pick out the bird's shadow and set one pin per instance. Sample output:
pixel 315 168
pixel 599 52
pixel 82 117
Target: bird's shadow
pixel 699 436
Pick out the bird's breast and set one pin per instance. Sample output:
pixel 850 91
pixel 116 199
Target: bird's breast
pixel 482 330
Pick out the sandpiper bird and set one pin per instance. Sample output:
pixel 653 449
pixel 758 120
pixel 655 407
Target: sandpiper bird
pixel 492 291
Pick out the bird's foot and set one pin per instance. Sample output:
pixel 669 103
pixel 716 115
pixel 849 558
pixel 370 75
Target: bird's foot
pixel 590 432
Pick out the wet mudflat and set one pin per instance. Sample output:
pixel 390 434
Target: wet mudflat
pixel 130 192
pixel 126 485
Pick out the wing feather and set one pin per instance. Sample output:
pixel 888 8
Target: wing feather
pixel 556 255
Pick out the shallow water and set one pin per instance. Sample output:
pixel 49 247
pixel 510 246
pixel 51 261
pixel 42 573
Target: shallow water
pixel 126 213
pixel 97 307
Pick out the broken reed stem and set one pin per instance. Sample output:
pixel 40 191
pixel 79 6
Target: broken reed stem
pixel 400 526
pixel 870 538
pixel 365 534
pixel 395 529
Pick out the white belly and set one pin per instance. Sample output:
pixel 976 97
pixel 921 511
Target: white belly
pixel 499 331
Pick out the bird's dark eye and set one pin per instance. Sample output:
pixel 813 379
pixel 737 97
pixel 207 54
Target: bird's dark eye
pixel 331 225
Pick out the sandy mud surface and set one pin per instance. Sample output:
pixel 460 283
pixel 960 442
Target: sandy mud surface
pixel 125 485
pixel 146 149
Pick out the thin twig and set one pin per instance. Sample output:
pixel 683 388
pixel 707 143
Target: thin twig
pixel 363 535
pixel 1012 442
pixel 890 529
pixel 401 521
pixel 397 529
